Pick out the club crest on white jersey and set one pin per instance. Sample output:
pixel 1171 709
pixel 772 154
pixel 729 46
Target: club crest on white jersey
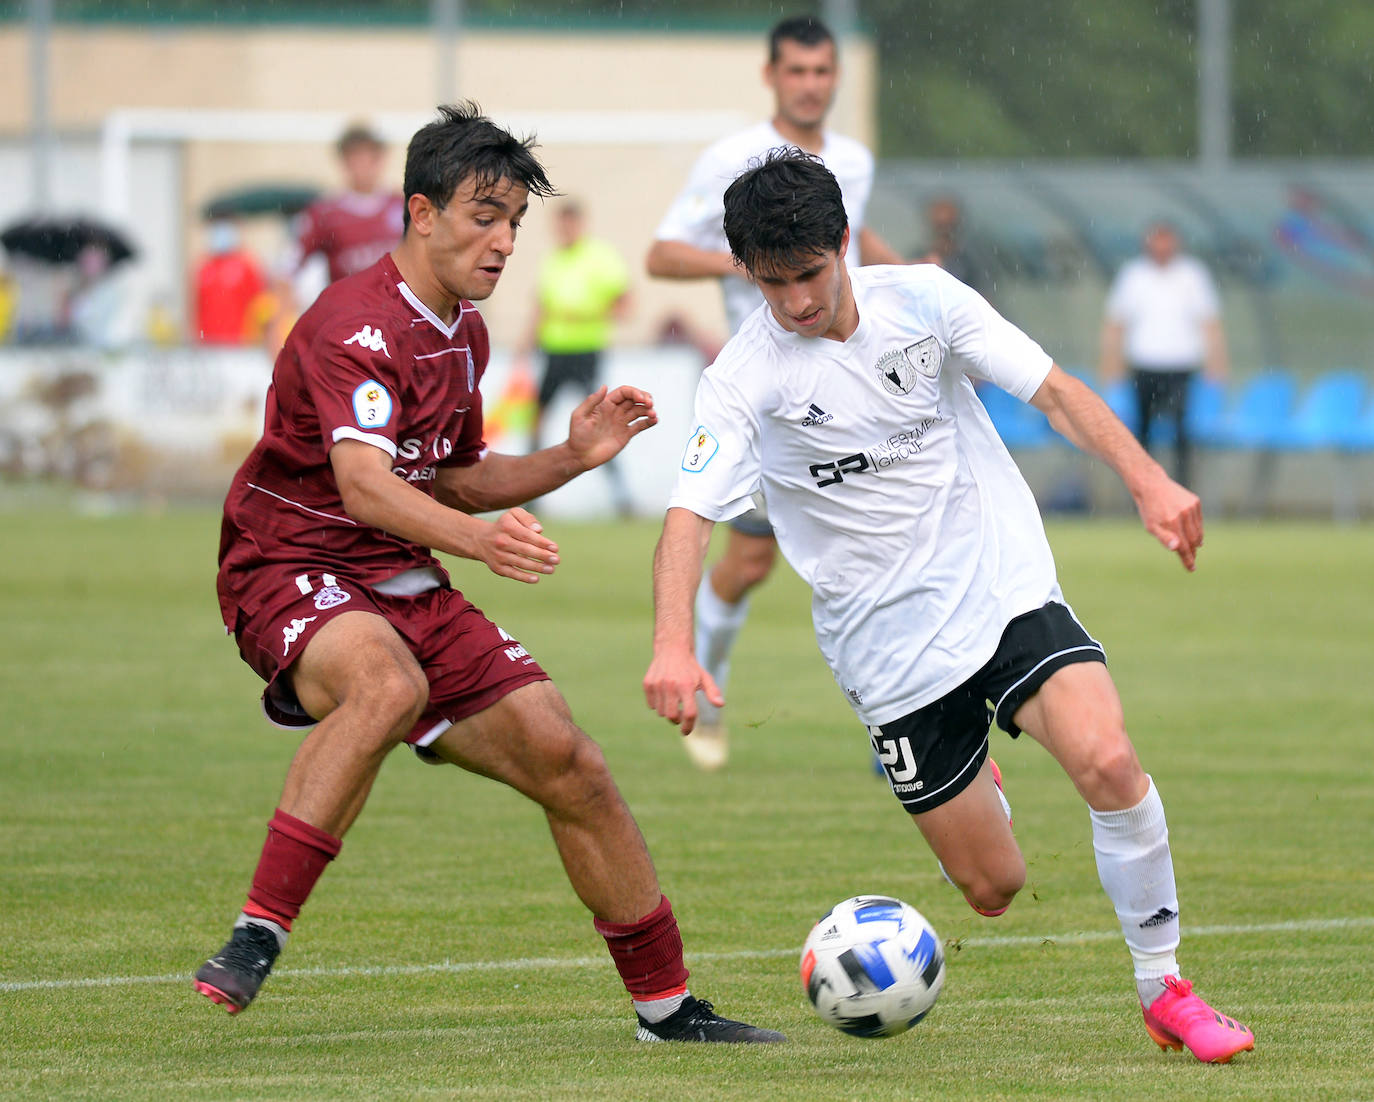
pixel 926 356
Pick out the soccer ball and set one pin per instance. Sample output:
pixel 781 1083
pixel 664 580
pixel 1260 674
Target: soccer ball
pixel 873 966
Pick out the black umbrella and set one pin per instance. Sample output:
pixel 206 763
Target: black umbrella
pixel 62 240
pixel 287 199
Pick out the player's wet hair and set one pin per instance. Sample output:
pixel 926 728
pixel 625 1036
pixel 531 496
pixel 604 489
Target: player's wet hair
pixel 784 212
pixel 806 30
pixel 461 144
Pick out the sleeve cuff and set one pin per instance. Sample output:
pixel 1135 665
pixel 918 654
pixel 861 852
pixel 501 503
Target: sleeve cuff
pixel 343 432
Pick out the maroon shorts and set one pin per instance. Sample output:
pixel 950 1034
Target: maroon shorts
pixel 470 663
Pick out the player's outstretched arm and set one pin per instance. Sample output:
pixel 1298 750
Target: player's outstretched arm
pixel 679 260
pixel 599 430
pixel 1170 512
pixel 874 250
pixel 512 547
pixel 674 676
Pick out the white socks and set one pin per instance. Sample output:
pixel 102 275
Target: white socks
pixel 656 1010
pixel 1133 862
pixel 278 931
pixel 717 626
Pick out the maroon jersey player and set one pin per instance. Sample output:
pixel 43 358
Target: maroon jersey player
pixel 353 229
pixel 372 455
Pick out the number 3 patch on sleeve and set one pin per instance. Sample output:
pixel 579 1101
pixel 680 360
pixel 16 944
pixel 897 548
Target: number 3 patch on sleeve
pixel 700 449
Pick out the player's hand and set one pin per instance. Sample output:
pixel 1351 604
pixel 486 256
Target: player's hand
pixel 670 687
pixel 515 547
pixel 1173 515
pixel 606 421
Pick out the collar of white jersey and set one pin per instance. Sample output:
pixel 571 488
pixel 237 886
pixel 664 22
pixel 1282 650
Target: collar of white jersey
pixel 428 314
pixel 825 140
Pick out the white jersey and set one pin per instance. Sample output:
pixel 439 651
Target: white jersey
pixel 697 215
pixel 889 490
pixel 1162 308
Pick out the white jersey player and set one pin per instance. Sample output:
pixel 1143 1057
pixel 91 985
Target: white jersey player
pixel 802 71
pixel 847 400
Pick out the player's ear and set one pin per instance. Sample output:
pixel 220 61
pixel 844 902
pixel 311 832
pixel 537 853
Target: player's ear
pixel 844 241
pixel 422 213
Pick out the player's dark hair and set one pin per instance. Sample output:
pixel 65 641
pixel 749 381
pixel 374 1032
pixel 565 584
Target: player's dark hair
pixel 783 212
pixel 461 144
pixel 806 30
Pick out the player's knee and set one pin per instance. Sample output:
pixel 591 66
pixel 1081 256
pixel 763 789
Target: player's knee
pixel 992 894
pixel 1113 776
pixel 574 772
pixel 395 696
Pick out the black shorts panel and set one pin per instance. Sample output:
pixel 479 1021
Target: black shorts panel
pixel 574 369
pixel 755 522
pixel 933 754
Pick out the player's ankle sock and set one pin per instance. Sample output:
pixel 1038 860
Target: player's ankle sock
pixel 648 956
pixel 277 930
pixel 717 625
pixel 293 857
pixel 1137 872
pixel 656 1010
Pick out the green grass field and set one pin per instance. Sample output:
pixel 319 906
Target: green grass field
pixel 444 955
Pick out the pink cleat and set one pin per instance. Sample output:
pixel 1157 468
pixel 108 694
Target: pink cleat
pixel 1178 1018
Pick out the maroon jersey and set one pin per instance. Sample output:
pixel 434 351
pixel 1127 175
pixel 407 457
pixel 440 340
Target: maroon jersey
pixel 351 230
pixel 368 361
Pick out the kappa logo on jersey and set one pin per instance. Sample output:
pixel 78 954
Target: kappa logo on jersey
pixel 701 449
pixel 926 356
pixel 816 416
pixel 371 405
pixel 371 339
pixel 331 596
pixel 292 632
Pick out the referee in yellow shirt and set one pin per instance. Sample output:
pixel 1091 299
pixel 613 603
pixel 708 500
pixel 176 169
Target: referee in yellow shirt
pixel 583 289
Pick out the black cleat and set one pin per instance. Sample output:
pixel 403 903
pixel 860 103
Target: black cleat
pixel 233 975
pixel 697 1020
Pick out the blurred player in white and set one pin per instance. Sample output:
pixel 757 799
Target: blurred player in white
pixel 802 71
pixel 848 400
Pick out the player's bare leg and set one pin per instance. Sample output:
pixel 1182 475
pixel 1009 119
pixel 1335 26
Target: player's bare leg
pixel 972 838
pixel 721 608
pixel 1076 716
pixel 357 677
pixel 529 741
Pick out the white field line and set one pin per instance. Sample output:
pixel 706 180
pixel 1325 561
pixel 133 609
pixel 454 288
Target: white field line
pixel 522 964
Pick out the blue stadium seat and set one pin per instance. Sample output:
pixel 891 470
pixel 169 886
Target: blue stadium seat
pixel 1018 424
pixel 1207 411
pixel 1358 436
pixel 1263 411
pixel 1328 413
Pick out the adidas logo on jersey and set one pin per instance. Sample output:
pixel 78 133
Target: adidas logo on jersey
pixel 816 416
pixel 371 339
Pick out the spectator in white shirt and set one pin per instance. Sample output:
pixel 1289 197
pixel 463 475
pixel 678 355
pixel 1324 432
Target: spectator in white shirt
pixel 1163 323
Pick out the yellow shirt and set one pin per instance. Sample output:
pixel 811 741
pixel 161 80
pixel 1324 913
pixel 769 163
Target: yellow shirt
pixel 578 286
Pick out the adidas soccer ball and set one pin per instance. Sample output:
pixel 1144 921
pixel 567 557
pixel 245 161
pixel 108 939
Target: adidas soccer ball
pixel 873 966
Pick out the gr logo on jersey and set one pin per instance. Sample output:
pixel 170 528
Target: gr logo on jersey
pixel 899 369
pixel 371 405
pixel 701 449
